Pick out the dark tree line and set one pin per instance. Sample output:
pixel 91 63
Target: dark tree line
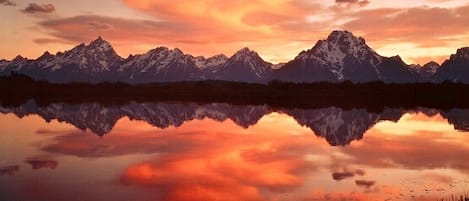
pixel 16 89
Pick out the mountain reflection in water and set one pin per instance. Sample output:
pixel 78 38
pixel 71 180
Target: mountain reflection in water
pixel 218 151
pixel 338 126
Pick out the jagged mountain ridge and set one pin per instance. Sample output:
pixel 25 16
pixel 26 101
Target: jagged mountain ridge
pixel 344 57
pixel 95 62
pixel 330 57
pixel 427 71
pixel 341 57
pixel 244 66
pixel 160 64
pixel 98 62
pixel 456 68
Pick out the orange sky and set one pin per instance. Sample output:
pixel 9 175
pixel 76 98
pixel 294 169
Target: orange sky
pixel 419 30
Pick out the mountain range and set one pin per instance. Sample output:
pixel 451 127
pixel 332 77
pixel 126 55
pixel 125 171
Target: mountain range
pixel 338 126
pixel 341 57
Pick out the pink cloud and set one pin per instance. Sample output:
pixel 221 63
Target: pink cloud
pixel 7 3
pixel 37 8
pixel 353 2
pixel 425 26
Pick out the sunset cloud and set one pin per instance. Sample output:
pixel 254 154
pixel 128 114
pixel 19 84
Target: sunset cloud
pixel 412 24
pixel 87 27
pixel 425 28
pixel 37 8
pixel 49 40
pixel 7 3
pixel 353 2
pixel 270 27
pixel 365 183
pixel 122 32
pixel 342 175
pixel 278 30
pixel 266 18
pixel 201 165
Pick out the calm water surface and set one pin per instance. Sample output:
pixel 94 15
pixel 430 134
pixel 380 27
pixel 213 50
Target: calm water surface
pixel 186 151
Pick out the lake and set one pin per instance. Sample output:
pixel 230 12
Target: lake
pixel 217 151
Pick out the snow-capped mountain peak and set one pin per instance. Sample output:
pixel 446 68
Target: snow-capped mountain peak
pixel 178 51
pixel 218 57
pixel 16 64
pixel 3 64
pixel 100 45
pixel 142 62
pixel 166 52
pixel 344 35
pixel 341 48
pixel 340 44
pixel 244 54
pixel 45 56
pixel 245 65
pixel 158 50
pixel 426 70
pixel 343 56
pixel 98 56
pixel 250 58
pixel 160 64
pixel 211 63
pixel 244 50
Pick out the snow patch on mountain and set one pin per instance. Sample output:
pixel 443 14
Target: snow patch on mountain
pixel 156 59
pixel 211 63
pixel 252 60
pixel 98 56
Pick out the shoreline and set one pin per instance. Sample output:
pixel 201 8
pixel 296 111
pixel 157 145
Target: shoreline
pixel 373 96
